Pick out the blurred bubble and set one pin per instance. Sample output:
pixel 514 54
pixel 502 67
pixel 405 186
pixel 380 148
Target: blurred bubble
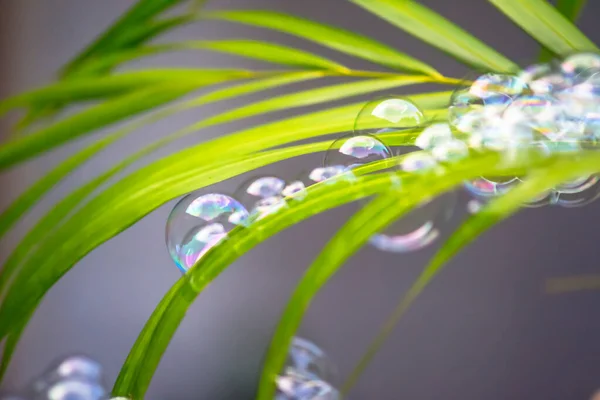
pixel 74 389
pixel 262 196
pixel 544 79
pixel 307 374
pixel 576 64
pixel 420 227
pixel 387 115
pixel 198 222
pixel 578 192
pixel 491 85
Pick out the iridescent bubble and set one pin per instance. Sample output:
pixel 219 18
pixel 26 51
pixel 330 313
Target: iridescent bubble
pixel 200 221
pixel 74 389
pixel 450 151
pixel 322 174
pixel 469 113
pixel 80 367
pixel 433 136
pixel 578 192
pixel 483 188
pixel 307 374
pixel 491 85
pixel 387 115
pixel 295 190
pixel 262 196
pixel 544 79
pixel 353 151
pixel 266 187
pixel 420 227
pixel 576 64
pixel 267 206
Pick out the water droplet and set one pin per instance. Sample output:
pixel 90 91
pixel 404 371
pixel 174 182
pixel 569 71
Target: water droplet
pixel 387 115
pixel 198 222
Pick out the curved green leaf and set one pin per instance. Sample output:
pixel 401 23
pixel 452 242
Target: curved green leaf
pixel 328 36
pixel 264 51
pixel 141 15
pixel 136 195
pixel 546 25
pixel 497 210
pixel 432 28
pixel 49 222
pixel 101 87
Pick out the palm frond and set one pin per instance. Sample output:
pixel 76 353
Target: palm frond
pixel 432 28
pixel 88 217
pixel 546 25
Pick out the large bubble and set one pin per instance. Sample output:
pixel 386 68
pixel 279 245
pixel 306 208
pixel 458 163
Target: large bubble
pixel 198 222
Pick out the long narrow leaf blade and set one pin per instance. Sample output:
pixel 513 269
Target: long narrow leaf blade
pixel 328 36
pixel 546 25
pixel 496 211
pixel 432 28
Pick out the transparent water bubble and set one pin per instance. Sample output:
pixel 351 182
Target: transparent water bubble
pixel 262 196
pixel 576 64
pixel 491 85
pixel 79 366
pixel 322 174
pixel 421 227
pixel 75 389
pixel 387 114
pixel 200 221
pixel 578 192
pixel 307 374
pixel 544 79
pixel 353 151
pixel 295 190
pixel 469 113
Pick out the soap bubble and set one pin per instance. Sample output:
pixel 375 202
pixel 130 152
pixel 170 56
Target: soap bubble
pixel 387 114
pixel 198 222
pixel 578 192
pixel 295 190
pixel 74 389
pixel 262 196
pixel 420 227
pixel 544 79
pixel 577 64
pixel 353 151
pixel 307 374
pixel 491 85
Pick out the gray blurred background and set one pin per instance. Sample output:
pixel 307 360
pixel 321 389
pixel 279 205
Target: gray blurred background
pixel 484 329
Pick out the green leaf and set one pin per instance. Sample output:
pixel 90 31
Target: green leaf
pixel 571 10
pixel 497 210
pixel 102 87
pixel 432 28
pixel 138 16
pixel 546 25
pixel 339 39
pixel 263 51
pixel 130 199
pixel 143 359
pixel 25 147
pixel 52 219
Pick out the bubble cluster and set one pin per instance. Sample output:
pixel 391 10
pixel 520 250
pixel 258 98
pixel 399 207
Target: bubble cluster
pixel 307 374
pixel 546 109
